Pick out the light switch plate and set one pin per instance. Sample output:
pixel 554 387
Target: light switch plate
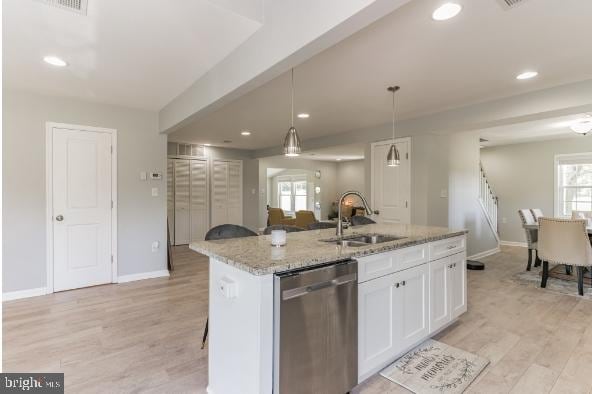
pixel 154 192
pixel 143 176
pixel 443 193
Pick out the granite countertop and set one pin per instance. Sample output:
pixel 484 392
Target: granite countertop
pixel 305 249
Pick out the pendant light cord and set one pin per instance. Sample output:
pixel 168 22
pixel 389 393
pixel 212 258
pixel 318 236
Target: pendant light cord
pixel 393 116
pixel 292 97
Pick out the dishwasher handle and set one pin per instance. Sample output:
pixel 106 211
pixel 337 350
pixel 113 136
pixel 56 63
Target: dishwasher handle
pixel 301 291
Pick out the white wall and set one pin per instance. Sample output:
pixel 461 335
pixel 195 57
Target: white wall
pixel 522 176
pixel 464 209
pixel 142 218
pixel 351 176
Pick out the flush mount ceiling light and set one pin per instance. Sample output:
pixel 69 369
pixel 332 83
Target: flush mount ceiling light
pixel 245 132
pixel 446 11
pixel 292 141
pixel 304 115
pixel 207 144
pixel 582 126
pixel 527 75
pixel 55 61
pixel 392 159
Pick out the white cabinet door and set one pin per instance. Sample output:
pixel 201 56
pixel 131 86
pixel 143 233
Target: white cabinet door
pixel 411 306
pixel 439 293
pixel 376 341
pixel 458 285
pixel 182 218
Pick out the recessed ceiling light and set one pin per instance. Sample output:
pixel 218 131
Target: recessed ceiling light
pixel 446 11
pixel 338 159
pixel 207 144
pixel 304 115
pixel 245 132
pixel 527 75
pixel 55 61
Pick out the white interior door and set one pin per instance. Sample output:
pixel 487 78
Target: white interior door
pixel 81 199
pixel 226 192
pixel 391 186
pixel 199 199
pixel 182 192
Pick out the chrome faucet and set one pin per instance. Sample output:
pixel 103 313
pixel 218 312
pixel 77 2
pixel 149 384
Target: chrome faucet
pixel 340 202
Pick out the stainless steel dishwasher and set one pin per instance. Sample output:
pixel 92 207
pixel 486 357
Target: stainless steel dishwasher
pixel 316 330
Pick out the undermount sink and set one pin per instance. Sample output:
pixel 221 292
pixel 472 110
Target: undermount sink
pixel 362 240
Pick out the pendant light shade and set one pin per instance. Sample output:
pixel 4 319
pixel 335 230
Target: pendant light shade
pixel 393 159
pixel 292 141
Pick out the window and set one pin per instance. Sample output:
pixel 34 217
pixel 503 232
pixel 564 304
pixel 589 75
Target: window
pixel 573 179
pixel 292 194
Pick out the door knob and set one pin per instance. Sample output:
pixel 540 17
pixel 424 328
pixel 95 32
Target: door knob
pixel 377 212
pixel 59 218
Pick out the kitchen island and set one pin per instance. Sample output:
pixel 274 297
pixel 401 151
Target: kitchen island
pixel 408 289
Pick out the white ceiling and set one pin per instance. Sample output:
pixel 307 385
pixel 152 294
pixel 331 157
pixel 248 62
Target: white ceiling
pixel 136 53
pixel 538 130
pixel 439 65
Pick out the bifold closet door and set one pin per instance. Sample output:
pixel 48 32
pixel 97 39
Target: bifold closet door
pixel 199 199
pixel 182 193
pixel 171 198
pixel 226 192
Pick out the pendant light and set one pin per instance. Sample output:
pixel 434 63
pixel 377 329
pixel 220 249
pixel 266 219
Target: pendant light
pixel 292 141
pixel 393 160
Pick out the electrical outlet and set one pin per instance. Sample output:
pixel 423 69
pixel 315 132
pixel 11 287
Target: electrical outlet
pixel 504 220
pixel 143 176
pixel 154 192
pixel 155 246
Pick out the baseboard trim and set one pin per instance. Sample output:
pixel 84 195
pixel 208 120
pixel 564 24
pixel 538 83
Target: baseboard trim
pixel 512 243
pixel 484 254
pixel 17 295
pixel 142 275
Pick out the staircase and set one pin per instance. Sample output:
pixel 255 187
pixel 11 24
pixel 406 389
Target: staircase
pixel 489 201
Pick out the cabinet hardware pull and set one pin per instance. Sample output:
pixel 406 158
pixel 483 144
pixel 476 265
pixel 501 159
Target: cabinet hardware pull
pixel 451 247
pixel 397 285
pixel 403 283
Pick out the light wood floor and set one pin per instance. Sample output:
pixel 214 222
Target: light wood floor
pixel 145 336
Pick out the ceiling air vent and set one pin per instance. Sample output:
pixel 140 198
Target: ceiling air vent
pixel 77 6
pixel 507 4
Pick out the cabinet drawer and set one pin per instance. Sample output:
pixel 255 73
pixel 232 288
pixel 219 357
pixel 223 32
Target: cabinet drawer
pixel 447 247
pixel 375 266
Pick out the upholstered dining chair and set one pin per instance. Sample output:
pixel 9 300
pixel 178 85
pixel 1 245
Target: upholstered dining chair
pixel 224 231
pixel 358 220
pixel 287 228
pixel 321 225
pixel 582 215
pixel 304 218
pixel 277 216
pixel 564 241
pixel 537 213
pixel 527 217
